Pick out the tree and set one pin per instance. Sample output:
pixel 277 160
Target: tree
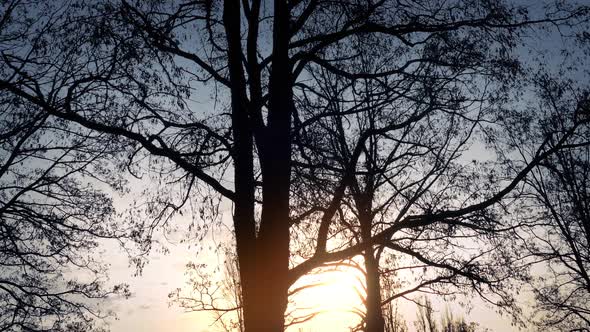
pixel 52 212
pixel 221 296
pixel 394 322
pixel 558 197
pixel 426 321
pixel 448 323
pixel 49 224
pixel 409 170
pixel 126 70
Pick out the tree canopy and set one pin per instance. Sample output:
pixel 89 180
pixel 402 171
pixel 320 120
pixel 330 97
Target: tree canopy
pixel 333 128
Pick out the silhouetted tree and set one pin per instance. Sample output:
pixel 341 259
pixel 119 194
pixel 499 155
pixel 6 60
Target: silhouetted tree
pixel 129 70
pixel 49 218
pixel 221 296
pixel 416 168
pixel 394 321
pixel 53 213
pixel 559 236
pixel 427 322
pixel 50 221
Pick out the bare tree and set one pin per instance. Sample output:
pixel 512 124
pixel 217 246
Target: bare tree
pixel 427 322
pixel 52 212
pixel 558 202
pixel 128 70
pixel 394 321
pixel 415 168
pixel 50 223
pixel 220 295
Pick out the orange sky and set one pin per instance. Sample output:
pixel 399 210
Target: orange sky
pixel 149 311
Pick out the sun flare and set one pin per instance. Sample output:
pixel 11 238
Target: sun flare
pixel 329 299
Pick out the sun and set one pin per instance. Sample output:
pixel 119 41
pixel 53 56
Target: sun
pixel 329 299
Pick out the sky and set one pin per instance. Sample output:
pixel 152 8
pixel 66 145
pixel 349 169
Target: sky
pixel 150 310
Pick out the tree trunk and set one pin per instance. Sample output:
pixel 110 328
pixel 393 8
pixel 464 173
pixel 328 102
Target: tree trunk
pixel 264 259
pixel 374 314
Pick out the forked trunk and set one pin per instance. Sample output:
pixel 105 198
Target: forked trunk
pixel 264 255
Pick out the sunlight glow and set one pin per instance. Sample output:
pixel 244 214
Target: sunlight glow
pixel 328 299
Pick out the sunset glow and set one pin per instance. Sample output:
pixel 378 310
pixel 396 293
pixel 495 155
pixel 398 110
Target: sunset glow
pixel 295 165
pixel 336 300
